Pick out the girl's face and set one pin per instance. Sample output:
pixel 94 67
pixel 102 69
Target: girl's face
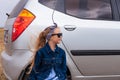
pixel 56 36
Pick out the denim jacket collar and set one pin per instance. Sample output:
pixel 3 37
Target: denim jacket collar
pixel 49 49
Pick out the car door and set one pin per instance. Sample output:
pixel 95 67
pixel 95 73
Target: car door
pixel 91 35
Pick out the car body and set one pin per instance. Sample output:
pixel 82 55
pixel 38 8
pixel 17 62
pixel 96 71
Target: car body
pixel 91 30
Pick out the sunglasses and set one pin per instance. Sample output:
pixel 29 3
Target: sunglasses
pixel 58 35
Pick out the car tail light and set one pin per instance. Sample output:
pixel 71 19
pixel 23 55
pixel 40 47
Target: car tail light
pixel 21 23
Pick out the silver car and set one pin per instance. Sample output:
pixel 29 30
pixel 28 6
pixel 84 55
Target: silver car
pixel 91 37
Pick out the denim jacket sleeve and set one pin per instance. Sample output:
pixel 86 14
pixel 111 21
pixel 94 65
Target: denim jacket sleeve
pixel 35 68
pixel 64 68
pixel 37 61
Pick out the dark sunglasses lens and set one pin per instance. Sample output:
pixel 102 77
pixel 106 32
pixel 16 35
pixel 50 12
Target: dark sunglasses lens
pixel 59 35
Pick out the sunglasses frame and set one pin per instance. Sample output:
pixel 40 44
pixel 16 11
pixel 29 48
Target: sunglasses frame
pixel 58 35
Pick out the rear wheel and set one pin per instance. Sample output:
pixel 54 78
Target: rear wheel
pixel 68 74
pixel 24 75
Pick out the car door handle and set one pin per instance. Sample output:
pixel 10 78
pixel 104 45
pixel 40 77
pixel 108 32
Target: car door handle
pixel 70 27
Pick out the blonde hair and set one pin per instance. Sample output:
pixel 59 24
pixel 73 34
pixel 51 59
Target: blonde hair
pixel 40 42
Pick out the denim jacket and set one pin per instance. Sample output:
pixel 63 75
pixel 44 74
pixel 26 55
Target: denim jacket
pixel 45 60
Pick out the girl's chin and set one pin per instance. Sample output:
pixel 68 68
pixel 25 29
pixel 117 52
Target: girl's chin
pixel 58 42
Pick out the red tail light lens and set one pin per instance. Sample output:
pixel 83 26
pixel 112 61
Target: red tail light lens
pixel 21 23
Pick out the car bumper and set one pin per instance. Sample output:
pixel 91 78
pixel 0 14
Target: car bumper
pixel 14 64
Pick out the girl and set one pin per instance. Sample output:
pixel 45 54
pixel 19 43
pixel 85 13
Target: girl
pixel 50 60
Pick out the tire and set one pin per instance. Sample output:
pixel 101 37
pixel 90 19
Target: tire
pixel 24 75
pixel 68 74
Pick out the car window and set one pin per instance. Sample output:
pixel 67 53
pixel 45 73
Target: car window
pixel 48 3
pixel 54 4
pixel 92 9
